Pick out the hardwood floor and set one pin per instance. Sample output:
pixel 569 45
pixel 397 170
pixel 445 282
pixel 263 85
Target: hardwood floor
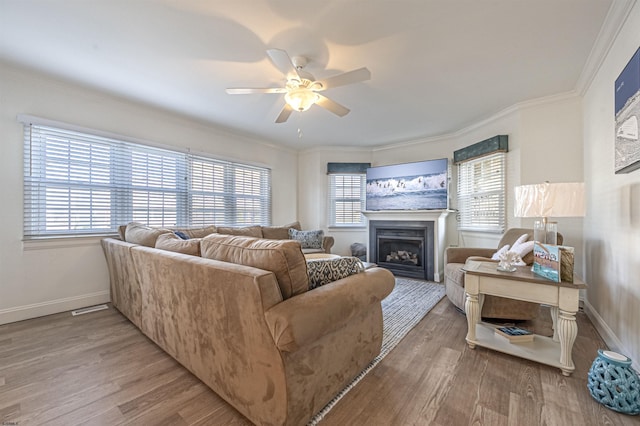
pixel 99 369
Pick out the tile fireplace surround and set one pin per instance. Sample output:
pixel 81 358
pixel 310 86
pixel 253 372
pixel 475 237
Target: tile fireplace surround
pixel 438 217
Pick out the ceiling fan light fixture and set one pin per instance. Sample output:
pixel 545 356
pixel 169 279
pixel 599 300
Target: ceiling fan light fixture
pixel 301 99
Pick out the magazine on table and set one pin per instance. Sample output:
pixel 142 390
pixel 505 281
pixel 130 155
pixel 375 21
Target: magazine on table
pixel 553 262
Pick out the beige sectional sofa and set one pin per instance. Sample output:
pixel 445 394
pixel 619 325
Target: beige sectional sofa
pixel 241 318
pixel 140 232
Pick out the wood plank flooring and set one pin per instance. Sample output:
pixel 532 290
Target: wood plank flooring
pixel 98 369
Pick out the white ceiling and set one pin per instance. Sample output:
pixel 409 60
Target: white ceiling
pixel 437 65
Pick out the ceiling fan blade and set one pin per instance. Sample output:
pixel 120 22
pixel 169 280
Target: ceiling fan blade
pixel 282 61
pixel 246 91
pixel 332 106
pixel 284 114
pixel 349 77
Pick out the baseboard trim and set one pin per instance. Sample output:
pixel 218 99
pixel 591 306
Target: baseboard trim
pixel 607 334
pixel 35 310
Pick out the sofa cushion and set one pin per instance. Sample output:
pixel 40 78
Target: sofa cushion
pixel 173 242
pixel 282 257
pixel 308 239
pixel 247 231
pixel 122 229
pixel 139 233
pixel 279 232
pixel 324 271
pixel 199 232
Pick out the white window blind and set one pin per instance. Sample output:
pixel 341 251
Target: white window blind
pixel 481 193
pixel 346 199
pixel 81 184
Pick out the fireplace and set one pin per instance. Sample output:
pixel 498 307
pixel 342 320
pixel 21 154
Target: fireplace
pixel 404 248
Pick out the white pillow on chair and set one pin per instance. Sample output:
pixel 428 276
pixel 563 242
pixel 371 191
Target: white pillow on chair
pixel 504 249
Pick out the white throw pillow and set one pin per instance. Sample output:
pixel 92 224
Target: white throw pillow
pixel 523 238
pixel 523 249
pixel 504 249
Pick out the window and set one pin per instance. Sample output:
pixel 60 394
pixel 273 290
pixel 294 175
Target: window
pixel 481 193
pixel 346 193
pixel 346 199
pixel 81 184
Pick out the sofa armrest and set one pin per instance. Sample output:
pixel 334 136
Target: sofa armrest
pixel 308 316
pixel 327 243
pixel 460 254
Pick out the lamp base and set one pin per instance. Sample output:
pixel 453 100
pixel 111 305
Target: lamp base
pixel 545 232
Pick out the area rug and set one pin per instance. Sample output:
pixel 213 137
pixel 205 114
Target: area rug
pixel 407 304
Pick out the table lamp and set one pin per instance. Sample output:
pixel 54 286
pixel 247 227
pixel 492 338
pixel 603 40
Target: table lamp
pixel 545 200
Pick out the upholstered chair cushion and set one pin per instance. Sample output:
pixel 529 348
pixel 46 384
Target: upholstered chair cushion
pixel 138 233
pixel 172 242
pixel 282 257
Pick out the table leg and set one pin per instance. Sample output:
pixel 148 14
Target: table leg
pixel 554 319
pixel 472 309
pixel 567 332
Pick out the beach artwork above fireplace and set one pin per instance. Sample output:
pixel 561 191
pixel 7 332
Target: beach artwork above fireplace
pixel 411 186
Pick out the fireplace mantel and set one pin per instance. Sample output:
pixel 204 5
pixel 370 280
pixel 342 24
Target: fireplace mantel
pixel 438 217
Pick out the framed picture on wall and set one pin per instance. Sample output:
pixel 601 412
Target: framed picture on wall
pixel 627 106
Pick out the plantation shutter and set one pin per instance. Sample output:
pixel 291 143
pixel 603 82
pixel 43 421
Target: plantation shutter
pixel 228 193
pixel 481 193
pixel 77 183
pixel 346 193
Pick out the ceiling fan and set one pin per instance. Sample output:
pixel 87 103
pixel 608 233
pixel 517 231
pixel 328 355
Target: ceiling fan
pixel 301 89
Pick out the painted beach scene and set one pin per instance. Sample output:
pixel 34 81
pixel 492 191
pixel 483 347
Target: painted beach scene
pixel 411 186
pixel 627 107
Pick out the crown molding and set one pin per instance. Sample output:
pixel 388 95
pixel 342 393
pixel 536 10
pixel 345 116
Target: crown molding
pixel 316 149
pixel 559 97
pixel 613 23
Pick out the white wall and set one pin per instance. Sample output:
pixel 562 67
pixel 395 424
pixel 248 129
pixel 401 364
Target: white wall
pixel 47 277
pixel 545 143
pixel 612 224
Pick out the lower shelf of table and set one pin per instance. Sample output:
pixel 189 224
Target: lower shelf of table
pixel 542 349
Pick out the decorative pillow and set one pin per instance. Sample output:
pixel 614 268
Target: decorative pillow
pixel 172 242
pixel 523 248
pixel 504 249
pixel 279 232
pixel 138 233
pixel 325 271
pixel 521 239
pixel 247 231
pixel 308 239
pixel 282 257
pixel 180 234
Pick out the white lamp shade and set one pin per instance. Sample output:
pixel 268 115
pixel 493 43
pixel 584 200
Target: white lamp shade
pixel 550 200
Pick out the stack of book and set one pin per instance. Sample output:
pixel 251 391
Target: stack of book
pixel 515 334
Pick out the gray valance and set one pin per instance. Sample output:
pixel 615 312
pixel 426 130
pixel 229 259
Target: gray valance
pixel 345 168
pixel 498 143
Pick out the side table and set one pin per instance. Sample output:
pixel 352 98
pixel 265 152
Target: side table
pixel 482 278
